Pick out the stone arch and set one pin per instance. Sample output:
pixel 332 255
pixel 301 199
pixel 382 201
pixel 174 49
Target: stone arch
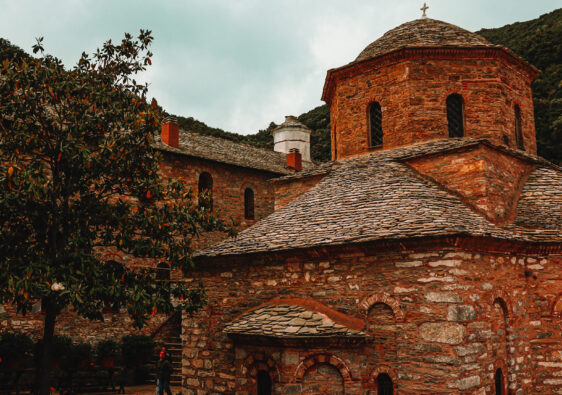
pixel 392 372
pixel 503 298
pixel 384 298
pixel 259 361
pixel 322 359
pixel 557 306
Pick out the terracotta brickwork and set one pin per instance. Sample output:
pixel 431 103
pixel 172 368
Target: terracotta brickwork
pixel 438 320
pixel 287 191
pixel 412 92
pixel 487 180
pixel 229 183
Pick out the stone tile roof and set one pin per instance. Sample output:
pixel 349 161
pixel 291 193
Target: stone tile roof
pixel 288 321
pixel 423 32
pixel 377 197
pixel 540 202
pixel 229 152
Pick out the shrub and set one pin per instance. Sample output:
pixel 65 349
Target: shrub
pixel 106 349
pixel 15 350
pixel 137 350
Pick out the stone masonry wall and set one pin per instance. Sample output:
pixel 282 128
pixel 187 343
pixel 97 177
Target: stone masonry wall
pixel 412 94
pixel 456 316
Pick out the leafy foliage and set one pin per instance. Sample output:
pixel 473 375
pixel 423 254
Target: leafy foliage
pixel 79 181
pixel 539 41
pixel 15 348
pixel 137 350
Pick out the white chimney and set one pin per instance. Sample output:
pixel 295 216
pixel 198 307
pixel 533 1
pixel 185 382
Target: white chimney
pixel 292 134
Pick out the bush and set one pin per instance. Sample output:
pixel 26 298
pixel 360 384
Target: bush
pixel 79 357
pixel 15 350
pixel 107 349
pixel 137 350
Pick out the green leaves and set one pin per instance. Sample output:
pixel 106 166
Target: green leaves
pixel 84 214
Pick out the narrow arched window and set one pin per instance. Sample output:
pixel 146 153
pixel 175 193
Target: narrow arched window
pixel 455 115
pixel 518 128
pixel 205 191
pixel 498 379
pixel 248 203
pixel 384 385
pixel 264 383
pixel 375 124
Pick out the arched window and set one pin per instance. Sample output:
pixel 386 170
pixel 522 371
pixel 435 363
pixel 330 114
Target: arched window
pixel 518 128
pixel 455 115
pixel 248 203
pixel 205 191
pixel 375 124
pixel 384 385
pixel 499 383
pixel 263 383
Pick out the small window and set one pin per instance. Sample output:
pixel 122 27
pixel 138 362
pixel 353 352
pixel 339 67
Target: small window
pixel 499 382
pixel 162 272
pixel 205 191
pixel 518 128
pixel 455 115
pixel 248 203
pixel 264 383
pixel 384 385
pixel 375 124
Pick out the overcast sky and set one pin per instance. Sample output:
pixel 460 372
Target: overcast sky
pixel 239 64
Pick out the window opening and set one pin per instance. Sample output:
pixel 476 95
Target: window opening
pixel 455 115
pixel 249 203
pixel 499 382
pixel 384 385
pixel 205 191
pixel 375 124
pixel 264 383
pixel 518 128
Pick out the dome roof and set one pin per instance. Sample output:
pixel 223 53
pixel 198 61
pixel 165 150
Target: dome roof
pixel 424 32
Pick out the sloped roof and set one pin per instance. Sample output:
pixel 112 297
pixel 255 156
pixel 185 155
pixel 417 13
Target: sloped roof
pixel 229 152
pixel 424 32
pixel 289 321
pixel 377 197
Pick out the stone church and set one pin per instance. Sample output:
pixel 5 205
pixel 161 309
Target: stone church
pixel 423 259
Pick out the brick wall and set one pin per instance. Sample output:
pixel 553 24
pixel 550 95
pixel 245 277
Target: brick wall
pixel 288 190
pixel 413 91
pixel 487 180
pixel 456 317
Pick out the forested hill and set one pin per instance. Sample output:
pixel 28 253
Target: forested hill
pixel 539 41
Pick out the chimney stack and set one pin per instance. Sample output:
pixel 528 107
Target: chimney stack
pixel 170 132
pixel 294 159
pixel 292 134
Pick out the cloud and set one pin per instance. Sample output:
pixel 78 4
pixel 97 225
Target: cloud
pixel 239 65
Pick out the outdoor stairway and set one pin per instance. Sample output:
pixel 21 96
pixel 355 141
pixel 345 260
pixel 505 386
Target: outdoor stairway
pixel 169 336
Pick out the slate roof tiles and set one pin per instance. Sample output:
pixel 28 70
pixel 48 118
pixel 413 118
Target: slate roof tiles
pixel 377 197
pixel 289 321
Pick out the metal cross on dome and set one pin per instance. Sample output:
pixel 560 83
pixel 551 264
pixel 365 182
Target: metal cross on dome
pixel 424 9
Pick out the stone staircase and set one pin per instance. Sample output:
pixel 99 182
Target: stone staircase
pixel 169 336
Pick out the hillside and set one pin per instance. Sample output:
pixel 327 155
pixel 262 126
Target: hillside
pixel 539 41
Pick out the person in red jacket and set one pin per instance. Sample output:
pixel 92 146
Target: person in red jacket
pixel 164 371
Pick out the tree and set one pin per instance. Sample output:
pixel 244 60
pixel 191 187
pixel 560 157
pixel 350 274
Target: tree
pixel 80 178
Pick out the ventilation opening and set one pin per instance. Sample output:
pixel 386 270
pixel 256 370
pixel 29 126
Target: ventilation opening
pixel 455 115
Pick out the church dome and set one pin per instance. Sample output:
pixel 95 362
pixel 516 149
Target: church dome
pixel 424 32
